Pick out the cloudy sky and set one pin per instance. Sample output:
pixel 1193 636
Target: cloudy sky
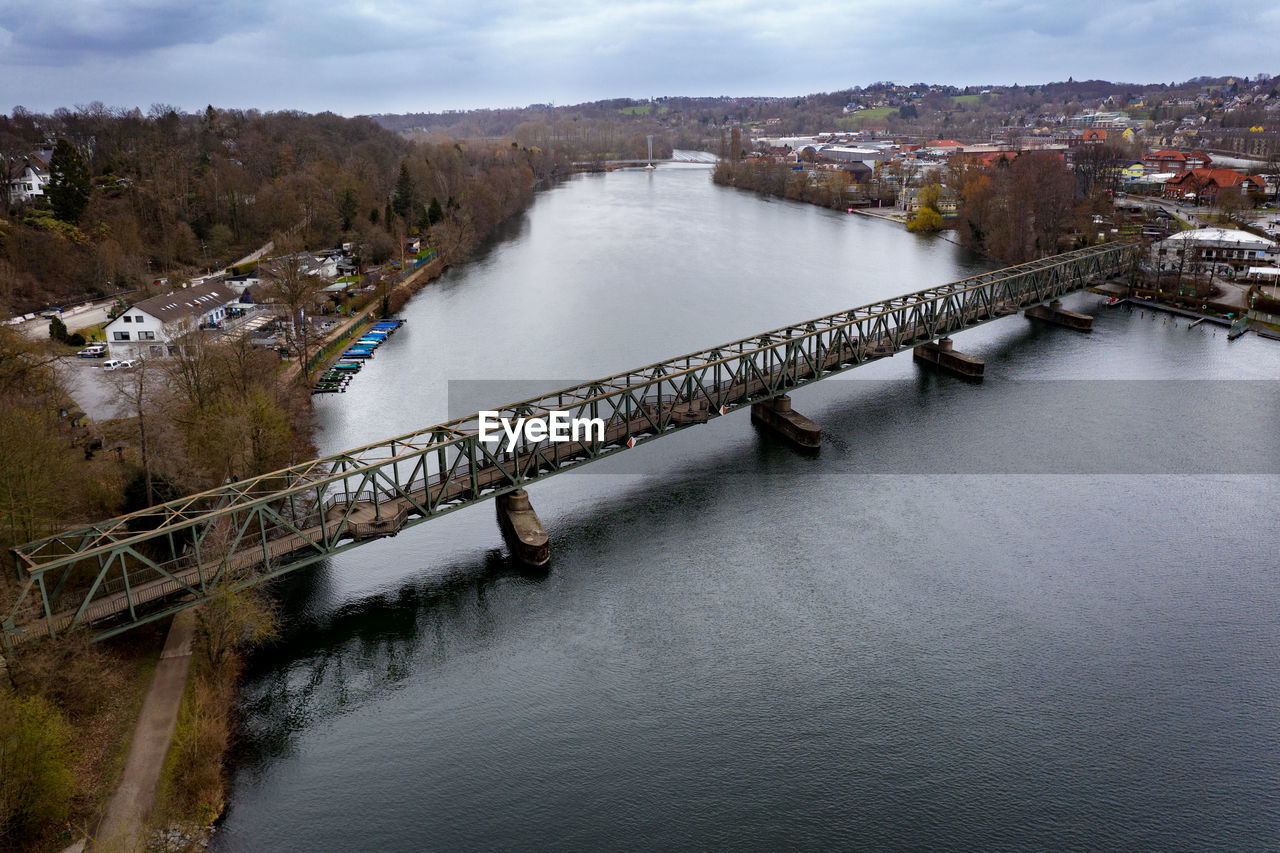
pixel 369 56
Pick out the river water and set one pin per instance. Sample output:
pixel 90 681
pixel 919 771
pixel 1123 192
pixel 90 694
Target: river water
pixel 1038 612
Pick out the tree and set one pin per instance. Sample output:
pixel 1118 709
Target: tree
pixel 35 473
pixel 138 391
pixel 36 782
pixel 290 284
pixel 230 620
pixel 58 330
pixel 348 207
pixel 403 200
pixel 68 182
pixel 434 211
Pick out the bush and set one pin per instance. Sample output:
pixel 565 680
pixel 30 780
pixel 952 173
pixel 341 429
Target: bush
pixel 36 782
pixel 192 784
pixel 926 219
pixel 76 340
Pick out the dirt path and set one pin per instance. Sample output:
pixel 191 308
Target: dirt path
pixel 121 829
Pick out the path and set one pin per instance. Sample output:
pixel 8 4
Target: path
pixel 127 810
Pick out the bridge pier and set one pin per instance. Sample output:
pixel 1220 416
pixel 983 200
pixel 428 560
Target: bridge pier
pixel 1059 316
pixel 777 415
pixel 522 530
pixel 942 355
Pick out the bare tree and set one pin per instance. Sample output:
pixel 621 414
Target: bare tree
pixel 296 290
pixel 191 370
pixel 139 391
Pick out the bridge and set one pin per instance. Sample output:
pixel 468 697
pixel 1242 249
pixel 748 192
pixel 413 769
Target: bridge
pixel 133 569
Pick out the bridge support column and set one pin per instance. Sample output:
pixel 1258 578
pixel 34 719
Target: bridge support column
pixel 1059 316
pixel 522 530
pixel 944 357
pixel 777 415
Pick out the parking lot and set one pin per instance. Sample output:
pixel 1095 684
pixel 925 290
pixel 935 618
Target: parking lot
pixel 91 388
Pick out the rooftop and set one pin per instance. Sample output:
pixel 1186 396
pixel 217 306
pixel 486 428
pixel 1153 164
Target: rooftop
pixel 1222 237
pixel 192 301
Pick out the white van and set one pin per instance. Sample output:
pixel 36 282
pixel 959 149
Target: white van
pixel 95 351
pixel 112 364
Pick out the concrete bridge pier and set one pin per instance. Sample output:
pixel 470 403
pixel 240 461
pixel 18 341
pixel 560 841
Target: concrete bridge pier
pixel 1059 316
pixel 777 415
pixel 942 356
pixel 522 530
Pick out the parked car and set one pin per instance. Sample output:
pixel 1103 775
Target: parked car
pixel 95 351
pixel 114 364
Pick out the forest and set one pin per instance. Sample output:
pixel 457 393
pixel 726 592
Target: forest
pixel 170 193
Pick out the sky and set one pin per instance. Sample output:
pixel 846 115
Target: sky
pixel 357 57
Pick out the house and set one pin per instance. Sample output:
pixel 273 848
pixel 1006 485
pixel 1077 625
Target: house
pixel 948 204
pixel 1220 251
pixel 1175 161
pixel 1093 136
pixel 30 181
pixel 240 283
pixel 942 147
pixel 1206 185
pixel 149 328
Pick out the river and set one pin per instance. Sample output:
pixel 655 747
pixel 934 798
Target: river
pixel 1033 613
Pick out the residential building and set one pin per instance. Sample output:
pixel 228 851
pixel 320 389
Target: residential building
pixel 31 180
pixel 1175 161
pixel 1219 251
pixel 149 328
pixel 1206 185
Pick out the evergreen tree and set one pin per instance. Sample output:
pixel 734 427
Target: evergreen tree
pixel 348 206
pixel 402 202
pixel 435 212
pixel 68 182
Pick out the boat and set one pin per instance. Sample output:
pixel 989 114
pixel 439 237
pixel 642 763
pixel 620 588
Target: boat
pixel 1113 301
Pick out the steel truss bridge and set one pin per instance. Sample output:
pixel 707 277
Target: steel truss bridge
pixel 133 569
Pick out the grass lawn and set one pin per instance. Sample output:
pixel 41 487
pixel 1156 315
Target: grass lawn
pixel 93 333
pixel 967 99
pixel 872 114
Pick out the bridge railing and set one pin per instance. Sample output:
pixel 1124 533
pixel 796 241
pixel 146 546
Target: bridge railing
pixel 262 526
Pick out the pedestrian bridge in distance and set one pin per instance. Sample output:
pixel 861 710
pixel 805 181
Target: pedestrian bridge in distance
pixel 133 569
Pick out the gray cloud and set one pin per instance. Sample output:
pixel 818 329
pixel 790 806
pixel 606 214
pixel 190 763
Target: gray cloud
pixel 79 28
pixel 363 56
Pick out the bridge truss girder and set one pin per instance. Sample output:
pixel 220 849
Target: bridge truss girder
pixel 136 568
